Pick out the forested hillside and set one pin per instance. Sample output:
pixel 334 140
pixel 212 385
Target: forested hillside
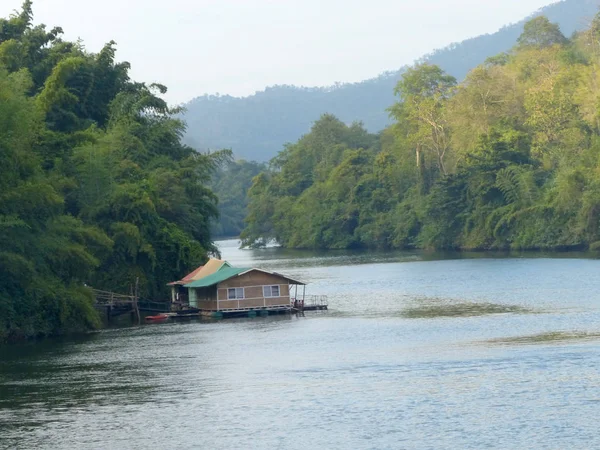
pixel 95 186
pixel 507 159
pixel 257 127
pixel 230 184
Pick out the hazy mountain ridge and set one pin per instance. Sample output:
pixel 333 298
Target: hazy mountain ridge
pixel 258 126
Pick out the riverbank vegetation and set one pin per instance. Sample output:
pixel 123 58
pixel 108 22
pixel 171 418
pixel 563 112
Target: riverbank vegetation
pixel 508 158
pixel 96 187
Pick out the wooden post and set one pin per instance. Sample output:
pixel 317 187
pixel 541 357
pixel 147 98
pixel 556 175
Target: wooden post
pixel 136 309
pixel 109 308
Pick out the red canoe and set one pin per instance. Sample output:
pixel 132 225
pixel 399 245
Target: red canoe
pixel 157 318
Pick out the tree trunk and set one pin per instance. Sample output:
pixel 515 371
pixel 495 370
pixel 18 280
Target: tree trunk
pixel 421 170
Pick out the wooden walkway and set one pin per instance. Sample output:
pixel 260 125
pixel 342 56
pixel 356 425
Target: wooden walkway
pixel 310 303
pixel 106 298
pixel 114 304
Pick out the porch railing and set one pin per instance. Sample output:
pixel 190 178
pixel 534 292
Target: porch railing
pixel 311 300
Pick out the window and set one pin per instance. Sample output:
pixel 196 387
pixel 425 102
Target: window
pixel 271 291
pixel 235 293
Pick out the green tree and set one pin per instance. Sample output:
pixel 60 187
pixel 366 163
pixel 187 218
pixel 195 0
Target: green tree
pixel 46 256
pixel 540 32
pixel 96 187
pixel 425 90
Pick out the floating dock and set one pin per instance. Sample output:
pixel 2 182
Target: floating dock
pixel 118 304
pixel 310 303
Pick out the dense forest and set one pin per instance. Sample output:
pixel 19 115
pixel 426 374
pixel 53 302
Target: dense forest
pixel 507 159
pixel 96 187
pixel 230 184
pixel 256 127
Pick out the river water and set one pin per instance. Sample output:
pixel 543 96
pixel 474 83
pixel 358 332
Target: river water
pixel 423 351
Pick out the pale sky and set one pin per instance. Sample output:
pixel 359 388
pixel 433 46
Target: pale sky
pixel 237 47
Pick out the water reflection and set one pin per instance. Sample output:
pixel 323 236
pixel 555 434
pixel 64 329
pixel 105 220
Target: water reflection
pixel 281 257
pixel 440 308
pixel 71 372
pixel 550 337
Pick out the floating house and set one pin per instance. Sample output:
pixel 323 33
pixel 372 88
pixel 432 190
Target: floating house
pixel 218 288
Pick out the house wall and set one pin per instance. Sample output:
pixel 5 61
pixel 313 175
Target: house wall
pixel 215 297
pixel 193 298
pixel 206 297
pixel 253 283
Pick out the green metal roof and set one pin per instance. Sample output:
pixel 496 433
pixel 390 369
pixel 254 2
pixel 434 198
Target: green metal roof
pixel 224 273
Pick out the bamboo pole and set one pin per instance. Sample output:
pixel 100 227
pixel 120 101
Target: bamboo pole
pixel 135 300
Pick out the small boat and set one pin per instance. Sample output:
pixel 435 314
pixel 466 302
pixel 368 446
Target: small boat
pixel 157 318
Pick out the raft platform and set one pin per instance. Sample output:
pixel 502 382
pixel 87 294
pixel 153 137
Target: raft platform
pixel 310 303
